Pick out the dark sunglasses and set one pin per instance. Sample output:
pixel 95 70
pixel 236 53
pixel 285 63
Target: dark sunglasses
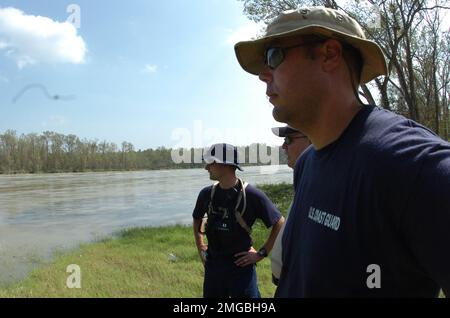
pixel 289 140
pixel 274 56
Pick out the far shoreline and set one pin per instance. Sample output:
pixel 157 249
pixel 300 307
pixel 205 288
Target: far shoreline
pixel 130 170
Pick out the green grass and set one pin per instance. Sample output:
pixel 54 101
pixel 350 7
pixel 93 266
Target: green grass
pixel 135 263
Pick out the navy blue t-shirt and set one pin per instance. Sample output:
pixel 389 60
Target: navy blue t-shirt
pixel 371 214
pixel 258 207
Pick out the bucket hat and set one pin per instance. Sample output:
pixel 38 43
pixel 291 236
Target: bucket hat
pixel 320 21
pixel 222 153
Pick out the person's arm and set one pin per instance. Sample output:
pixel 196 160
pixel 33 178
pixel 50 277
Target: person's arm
pixel 268 245
pixel 197 216
pixel 199 242
pixel 427 217
pixel 252 256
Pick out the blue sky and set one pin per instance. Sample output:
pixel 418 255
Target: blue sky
pixel 153 73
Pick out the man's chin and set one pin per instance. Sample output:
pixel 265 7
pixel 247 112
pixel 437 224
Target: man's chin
pixel 278 115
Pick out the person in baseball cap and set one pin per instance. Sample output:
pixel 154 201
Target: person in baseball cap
pixel 294 143
pixel 222 153
pixel 231 207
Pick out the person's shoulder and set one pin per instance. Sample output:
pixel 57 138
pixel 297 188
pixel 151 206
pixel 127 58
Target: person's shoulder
pixel 380 121
pixel 254 193
pixel 205 192
pixel 393 143
pixel 262 205
pixel 250 189
pixel 389 133
pixel 387 123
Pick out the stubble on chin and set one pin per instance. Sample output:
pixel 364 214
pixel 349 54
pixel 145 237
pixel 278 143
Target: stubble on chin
pixel 282 115
pixel 278 115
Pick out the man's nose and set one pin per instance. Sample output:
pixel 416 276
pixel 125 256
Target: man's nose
pixel 265 75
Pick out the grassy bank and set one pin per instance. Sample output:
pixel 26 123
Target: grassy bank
pixel 136 263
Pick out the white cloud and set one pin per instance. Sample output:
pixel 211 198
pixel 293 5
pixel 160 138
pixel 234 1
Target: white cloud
pixel 30 39
pixel 149 68
pixel 244 33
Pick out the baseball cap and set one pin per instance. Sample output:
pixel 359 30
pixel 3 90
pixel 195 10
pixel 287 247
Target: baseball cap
pixel 284 131
pixel 222 153
pixel 320 21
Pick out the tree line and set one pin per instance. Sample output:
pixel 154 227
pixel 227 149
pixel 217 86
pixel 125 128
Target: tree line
pixel 52 152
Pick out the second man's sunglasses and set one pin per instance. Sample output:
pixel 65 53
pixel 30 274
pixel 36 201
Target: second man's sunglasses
pixel 288 139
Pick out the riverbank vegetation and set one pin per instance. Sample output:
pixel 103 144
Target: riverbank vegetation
pixel 52 152
pixel 142 262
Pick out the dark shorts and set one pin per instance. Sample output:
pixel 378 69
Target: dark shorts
pixel 224 279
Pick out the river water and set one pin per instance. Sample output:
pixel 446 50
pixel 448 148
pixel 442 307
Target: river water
pixel 42 214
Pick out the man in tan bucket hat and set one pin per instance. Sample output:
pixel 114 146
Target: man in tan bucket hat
pixel 320 21
pixel 372 204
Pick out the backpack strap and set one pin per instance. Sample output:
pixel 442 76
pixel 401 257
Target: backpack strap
pixel 210 208
pixel 237 214
pixel 213 191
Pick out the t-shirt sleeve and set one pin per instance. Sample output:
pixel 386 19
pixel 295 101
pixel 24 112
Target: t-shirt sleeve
pixel 264 208
pixel 201 205
pixel 427 217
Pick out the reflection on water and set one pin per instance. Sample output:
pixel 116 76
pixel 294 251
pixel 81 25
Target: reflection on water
pixel 40 214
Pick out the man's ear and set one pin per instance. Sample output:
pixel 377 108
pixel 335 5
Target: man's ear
pixel 331 53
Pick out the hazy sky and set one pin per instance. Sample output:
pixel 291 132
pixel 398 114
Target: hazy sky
pixel 153 73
